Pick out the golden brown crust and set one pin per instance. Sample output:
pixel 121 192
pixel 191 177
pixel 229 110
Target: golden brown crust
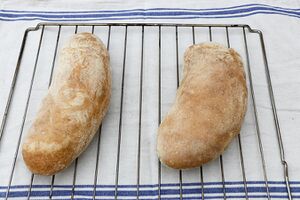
pixel 73 109
pixel 209 108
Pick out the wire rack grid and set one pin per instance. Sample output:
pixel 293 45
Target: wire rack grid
pixel 147 47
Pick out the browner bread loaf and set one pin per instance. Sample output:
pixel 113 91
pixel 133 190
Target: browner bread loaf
pixel 209 108
pixel 74 107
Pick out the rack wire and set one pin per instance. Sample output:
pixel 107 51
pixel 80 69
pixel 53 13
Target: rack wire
pixel 245 32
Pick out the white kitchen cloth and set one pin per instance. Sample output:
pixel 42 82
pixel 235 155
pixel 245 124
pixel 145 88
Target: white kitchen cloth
pixel 279 22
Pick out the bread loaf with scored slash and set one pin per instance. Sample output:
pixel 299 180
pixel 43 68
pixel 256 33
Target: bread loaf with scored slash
pixel 74 107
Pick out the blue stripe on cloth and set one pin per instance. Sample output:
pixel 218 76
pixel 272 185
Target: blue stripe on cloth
pixel 256 189
pixel 112 193
pixel 131 18
pixel 163 185
pixel 197 197
pixel 158 13
pixel 151 9
pixel 146 14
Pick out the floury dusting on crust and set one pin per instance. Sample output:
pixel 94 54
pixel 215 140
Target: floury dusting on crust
pixel 74 107
pixel 209 108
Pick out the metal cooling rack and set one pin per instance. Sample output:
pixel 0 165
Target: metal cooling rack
pixel 208 29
